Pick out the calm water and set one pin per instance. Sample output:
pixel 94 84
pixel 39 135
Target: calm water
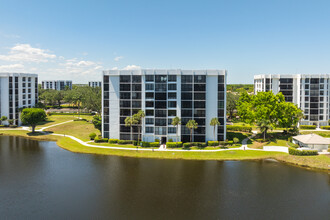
pixel 39 180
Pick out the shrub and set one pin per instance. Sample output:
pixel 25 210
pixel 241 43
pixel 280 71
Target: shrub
pixel 170 140
pixel 113 141
pixel 236 140
pixel 229 142
pixel 145 144
pixel 92 136
pixel 187 145
pixel 154 144
pixel 1 126
pixel 124 142
pixel 239 128
pixel 62 113
pixel 13 126
pixel 213 143
pixel 157 140
pixel 173 144
pixel 222 143
pixel 296 152
pixel 325 127
pixel 135 143
pixel 100 140
pixel 48 113
pixel 307 127
pixel 290 139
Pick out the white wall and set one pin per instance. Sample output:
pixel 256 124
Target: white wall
pixel 114 111
pixel 211 106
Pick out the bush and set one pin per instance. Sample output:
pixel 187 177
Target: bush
pixel 170 140
pixel 62 113
pixel 145 144
pixel 222 143
pixel 235 140
pixel 239 128
pixel 213 143
pixel 100 140
pixel 113 141
pixel 229 142
pixel 296 152
pixel 307 127
pixel 154 144
pixel 187 145
pixel 157 140
pixel 173 144
pixel 325 127
pixel 13 126
pixel 92 136
pixel 124 142
pixel 135 143
pixel 198 144
pixel 290 139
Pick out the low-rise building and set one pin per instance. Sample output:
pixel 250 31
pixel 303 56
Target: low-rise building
pixel 312 141
pixel 57 84
pixel 17 90
pixel 95 84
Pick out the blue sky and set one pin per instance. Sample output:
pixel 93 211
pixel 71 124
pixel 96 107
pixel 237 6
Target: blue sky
pixel 78 39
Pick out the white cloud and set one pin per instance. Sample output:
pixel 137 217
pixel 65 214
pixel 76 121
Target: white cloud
pixel 26 53
pixel 132 67
pixel 118 58
pixel 114 68
pixel 11 67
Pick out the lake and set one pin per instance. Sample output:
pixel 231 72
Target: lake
pixel 39 180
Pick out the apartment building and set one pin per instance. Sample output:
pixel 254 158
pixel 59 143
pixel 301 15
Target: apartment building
pixel 163 94
pixel 309 92
pixel 17 90
pixel 56 84
pixel 94 84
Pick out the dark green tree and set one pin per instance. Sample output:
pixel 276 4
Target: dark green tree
pixel 33 116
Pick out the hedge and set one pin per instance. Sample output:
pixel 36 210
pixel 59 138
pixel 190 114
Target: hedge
pixel 124 142
pixel 55 113
pixel 92 136
pixel 13 126
pixel 100 140
pixel 239 128
pixel 187 145
pixel 113 141
pixel 325 127
pixel 198 144
pixel 213 143
pixel 154 144
pixel 296 152
pixel 307 127
pixel 173 144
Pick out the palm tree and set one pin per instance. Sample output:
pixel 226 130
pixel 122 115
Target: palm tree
pixel 139 118
pixel 264 126
pixel 214 122
pixel 129 122
pixel 176 122
pixel 191 124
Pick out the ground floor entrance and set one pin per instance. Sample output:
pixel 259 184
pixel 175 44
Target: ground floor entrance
pixel 163 140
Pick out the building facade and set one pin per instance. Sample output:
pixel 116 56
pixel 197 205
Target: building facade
pixel 309 92
pixel 17 90
pixel 163 94
pixel 94 84
pixel 56 84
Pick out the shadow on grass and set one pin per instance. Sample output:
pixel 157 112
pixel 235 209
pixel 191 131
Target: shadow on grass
pixel 45 122
pixel 38 133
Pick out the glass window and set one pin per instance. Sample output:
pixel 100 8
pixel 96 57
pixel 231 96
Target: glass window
pixel 221 87
pixel 306 80
pixel 306 86
pixel 149 130
pixel 186 79
pixel 149 112
pixel 199 113
pixel 125 112
pixel 136 87
pixel 149 104
pixel 136 95
pixel 149 121
pixel 220 104
pixel 160 88
pixel 199 78
pixel 160 122
pixel 149 86
pixel 160 104
pixel 186 104
pixel 172 130
pixel 125 78
pixel 199 104
pixel 149 95
pixel 199 96
pixel 321 86
pixel 125 104
pixel 186 87
pixel 306 92
pixel 160 96
pixel 136 79
pixel 199 87
pixel 150 78
pixel 172 95
pixel 186 96
pixel 161 113
pixel 172 78
pixel 136 104
pixel 171 112
pixel 322 80
pixel 221 79
pixel 171 86
pixel 306 105
pixel 125 87
pixel 172 104
pixel 186 113
pixel 161 78
pixel 125 95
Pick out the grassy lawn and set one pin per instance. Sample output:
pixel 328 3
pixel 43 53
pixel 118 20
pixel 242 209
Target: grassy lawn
pixel 78 129
pixel 240 135
pixel 55 119
pixel 320 161
pixel 325 134
pixel 273 139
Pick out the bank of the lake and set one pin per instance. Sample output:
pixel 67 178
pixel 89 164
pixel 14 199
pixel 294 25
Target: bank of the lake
pixel 321 162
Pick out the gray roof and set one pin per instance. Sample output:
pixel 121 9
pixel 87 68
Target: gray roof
pixel 311 139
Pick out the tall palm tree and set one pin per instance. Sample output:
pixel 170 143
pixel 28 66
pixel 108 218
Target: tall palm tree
pixel 214 122
pixel 264 126
pixel 191 124
pixel 176 122
pixel 139 118
pixel 129 122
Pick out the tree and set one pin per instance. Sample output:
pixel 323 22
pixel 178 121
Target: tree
pixel 289 116
pixel 264 126
pixel 191 124
pixel 214 122
pixel 11 121
pixel 139 119
pixel 97 122
pixel 176 122
pixel 235 140
pixel 3 118
pixel 231 103
pixel 129 122
pixel 32 116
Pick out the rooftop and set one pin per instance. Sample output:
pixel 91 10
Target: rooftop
pixel 311 139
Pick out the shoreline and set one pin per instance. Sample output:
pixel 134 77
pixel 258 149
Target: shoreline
pixel 68 144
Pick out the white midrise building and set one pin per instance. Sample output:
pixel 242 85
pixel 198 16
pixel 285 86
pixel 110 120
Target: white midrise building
pixel 94 84
pixel 309 92
pixel 56 84
pixel 163 94
pixel 17 90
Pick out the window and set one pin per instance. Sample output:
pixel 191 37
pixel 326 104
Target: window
pixel 306 92
pixel 306 86
pixel 172 104
pixel 321 99
pixel 136 104
pixel 125 87
pixel 149 95
pixel 136 87
pixel 149 130
pixel 199 104
pixel 322 80
pixel 160 122
pixel 160 104
pixel 199 87
pixel 161 78
pixel 186 87
pixel 171 86
pixel 125 104
pixel 306 105
pixel 149 121
pixel 221 96
pixel 160 96
pixel 306 99
pixel 199 78
pixel 186 113
pixel 220 104
pixel 221 87
pixel 221 79
pixel 161 113
pixel 136 95
pixel 186 96
pixel 149 86
pixel 125 78
pixel 125 112
pixel 199 96
pixel 150 78
pixel 171 112
pixel 186 79
pixel 149 104
pixel 199 113
pixel 186 104
pixel 172 78
pixel 321 92
pixel 321 86
pixel 125 95
pixel 306 80
pixel 161 87
pixel 136 79
pixel 172 95
pixel 149 112
pixel 172 130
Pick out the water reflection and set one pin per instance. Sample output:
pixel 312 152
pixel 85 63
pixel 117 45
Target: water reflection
pixel 44 181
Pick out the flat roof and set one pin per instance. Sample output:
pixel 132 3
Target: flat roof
pixel 295 76
pixel 211 72
pixel 7 74
pixel 312 139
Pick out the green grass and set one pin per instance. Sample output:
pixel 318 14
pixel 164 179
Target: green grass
pixel 56 119
pixel 321 133
pixel 240 135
